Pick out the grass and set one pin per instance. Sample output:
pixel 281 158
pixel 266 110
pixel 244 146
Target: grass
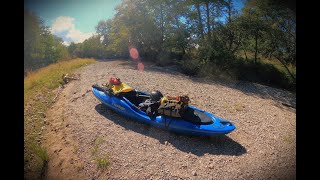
pixel 271 61
pixel 97 144
pixel 265 71
pixel 99 141
pixel 40 152
pixel 102 162
pixel 38 97
pixel 227 107
pixel 239 107
pixel 288 139
pixel 49 78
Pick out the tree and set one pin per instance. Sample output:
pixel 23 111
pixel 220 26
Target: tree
pixel 277 24
pixel 40 46
pixel 200 25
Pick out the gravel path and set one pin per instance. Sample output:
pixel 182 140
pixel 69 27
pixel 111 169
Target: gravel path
pixel 80 129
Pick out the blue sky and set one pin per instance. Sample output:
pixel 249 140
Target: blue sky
pixel 238 4
pixel 75 20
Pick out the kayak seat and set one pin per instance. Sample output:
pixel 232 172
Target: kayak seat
pixel 121 88
pixel 132 97
pixel 196 117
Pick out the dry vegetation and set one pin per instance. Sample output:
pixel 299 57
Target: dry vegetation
pixel 38 97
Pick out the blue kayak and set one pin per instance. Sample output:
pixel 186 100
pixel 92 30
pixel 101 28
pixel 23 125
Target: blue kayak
pixel 194 122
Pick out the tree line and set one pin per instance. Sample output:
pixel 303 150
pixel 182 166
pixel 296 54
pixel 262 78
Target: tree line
pixel 203 37
pixel 41 48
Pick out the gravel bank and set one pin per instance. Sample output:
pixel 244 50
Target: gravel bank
pixel 262 147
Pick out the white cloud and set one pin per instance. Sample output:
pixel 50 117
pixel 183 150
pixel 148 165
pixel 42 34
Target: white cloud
pixel 78 36
pixel 66 24
pixel 62 23
pixel 66 43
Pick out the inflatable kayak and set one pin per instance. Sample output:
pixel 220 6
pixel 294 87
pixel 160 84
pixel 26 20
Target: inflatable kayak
pixel 194 121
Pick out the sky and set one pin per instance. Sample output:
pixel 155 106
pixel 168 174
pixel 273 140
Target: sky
pixel 75 20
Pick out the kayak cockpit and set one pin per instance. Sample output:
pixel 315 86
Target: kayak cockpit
pixel 196 116
pixel 134 97
pixel 192 115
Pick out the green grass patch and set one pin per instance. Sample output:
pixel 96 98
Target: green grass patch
pixel 49 78
pixel 102 162
pixel 288 139
pixel 239 107
pixel 38 97
pixel 99 141
pixel 228 107
pixel 96 146
pixel 40 152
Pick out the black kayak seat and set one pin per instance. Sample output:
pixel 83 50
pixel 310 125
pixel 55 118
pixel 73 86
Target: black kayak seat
pixel 196 117
pixel 133 97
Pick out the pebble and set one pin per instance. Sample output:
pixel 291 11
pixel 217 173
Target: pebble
pixel 211 166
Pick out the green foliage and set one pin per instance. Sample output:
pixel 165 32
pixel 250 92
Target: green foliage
pixel 164 59
pixel 190 66
pixel 40 46
pixel 92 48
pixel 36 159
pixel 203 37
pixel 102 162
pixel 167 58
pixel 277 29
pixel 261 72
pixel 49 77
pixel 40 152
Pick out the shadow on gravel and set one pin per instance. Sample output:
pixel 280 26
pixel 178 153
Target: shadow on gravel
pixel 220 145
pixel 110 60
pixel 285 98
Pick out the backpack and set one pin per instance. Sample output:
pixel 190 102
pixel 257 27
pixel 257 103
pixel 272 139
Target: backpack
pixel 150 107
pixel 173 106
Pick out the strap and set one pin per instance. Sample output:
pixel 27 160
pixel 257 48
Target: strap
pixel 165 121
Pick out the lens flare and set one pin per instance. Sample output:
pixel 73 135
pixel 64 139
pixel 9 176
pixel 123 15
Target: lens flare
pixel 134 54
pixel 140 66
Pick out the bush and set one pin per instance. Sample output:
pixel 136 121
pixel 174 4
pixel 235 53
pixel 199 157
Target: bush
pixel 163 59
pixel 262 73
pixel 190 67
